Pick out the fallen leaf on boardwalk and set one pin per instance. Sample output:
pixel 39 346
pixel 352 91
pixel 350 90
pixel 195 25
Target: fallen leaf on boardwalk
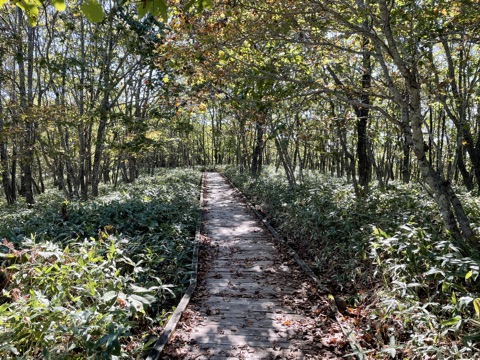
pixel 367 337
pixel 299 317
pixel 248 323
pixel 335 340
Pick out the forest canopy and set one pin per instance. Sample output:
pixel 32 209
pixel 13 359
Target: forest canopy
pixel 94 12
pixel 367 89
pixel 355 124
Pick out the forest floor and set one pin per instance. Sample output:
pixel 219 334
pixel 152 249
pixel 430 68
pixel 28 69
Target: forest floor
pixel 253 301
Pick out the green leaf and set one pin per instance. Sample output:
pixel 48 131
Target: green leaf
pixel 464 300
pixel 46 353
pixel 207 4
pixel 451 321
pixel 111 251
pixel 103 340
pixel 142 9
pixel 160 9
pixel 200 5
pixel 4 307
pixel 92 11
pixel 146 299
pixel 189 5
pixel 91 287
pixel 473 338
pixel 60 5
pixel 434 271
pixel 2 2
pixel 109 296
pixel 30 7
pixel 140 289
pixel 154 7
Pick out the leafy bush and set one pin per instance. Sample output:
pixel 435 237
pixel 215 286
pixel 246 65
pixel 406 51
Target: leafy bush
pixel 90 279
pixel 388 253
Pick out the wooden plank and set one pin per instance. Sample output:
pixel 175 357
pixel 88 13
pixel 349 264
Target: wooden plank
pixel 248 305
pixel 245 353
pixel 228 280
pixel 244 325
pixel 242 291
pixel 260 264
pixel 346 329
pixel 273 317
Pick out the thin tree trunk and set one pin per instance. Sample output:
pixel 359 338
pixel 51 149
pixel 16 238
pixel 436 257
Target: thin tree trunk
pixel 364 164
pixel 81 129
pixel 405 146
pixel 257 157
pixel 286 161
pixel 26 102
pixel 7 189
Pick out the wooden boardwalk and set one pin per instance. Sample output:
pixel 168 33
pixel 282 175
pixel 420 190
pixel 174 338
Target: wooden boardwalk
pixel 252 302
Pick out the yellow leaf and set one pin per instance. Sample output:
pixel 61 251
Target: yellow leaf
pixel 476 305
pixel 468 275
pixel 58 4
pixel 30 7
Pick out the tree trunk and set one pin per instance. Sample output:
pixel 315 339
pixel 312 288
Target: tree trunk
pixel 449 205
pixel 467 177
pixel 26 102
pixel 81 130
pixel 103 118
pixel 257 157
pixel 99 145
pixel 286 161
pixel 6 183
pixel 405 146
pixel 364 165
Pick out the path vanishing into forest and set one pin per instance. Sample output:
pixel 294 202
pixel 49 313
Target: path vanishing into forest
pixel 252 301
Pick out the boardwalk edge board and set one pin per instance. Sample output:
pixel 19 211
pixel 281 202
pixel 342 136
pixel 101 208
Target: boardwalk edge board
pixel 156 350
pixel 358 352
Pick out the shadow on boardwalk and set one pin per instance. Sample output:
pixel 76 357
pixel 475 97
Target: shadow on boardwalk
pixel 252 302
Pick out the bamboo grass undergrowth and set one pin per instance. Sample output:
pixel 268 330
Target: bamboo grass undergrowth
pixel 90 279
pixel 413 288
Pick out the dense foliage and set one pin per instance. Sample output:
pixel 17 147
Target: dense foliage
pixel 414 287
pixel 382 95
pixel 93 278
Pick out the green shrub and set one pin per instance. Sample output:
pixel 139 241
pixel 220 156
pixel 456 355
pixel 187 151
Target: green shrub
pixel 419 285
pixel 92 283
